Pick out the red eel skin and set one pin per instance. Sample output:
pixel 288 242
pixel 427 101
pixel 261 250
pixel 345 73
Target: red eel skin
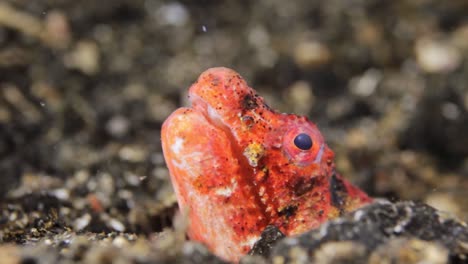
pixel 235 168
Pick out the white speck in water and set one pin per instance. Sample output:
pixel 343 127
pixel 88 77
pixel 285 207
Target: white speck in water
pixel 42 104
pixel 204 29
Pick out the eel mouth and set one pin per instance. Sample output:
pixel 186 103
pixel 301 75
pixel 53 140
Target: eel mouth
pixel 215 93
pixel 210 113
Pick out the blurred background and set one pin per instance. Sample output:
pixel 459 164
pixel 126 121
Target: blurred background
pixel 86 85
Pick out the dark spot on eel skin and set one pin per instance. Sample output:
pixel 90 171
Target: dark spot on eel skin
pixel 248 121
pixel 249 102
pixel 215 81
pixel 302 185
pixel 288 211
pixel 338 193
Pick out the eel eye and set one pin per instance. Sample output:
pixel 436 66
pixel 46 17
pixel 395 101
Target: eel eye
pixel 303 141
pixel 303 144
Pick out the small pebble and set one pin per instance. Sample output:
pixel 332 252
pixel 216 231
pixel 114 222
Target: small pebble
pixel 120 242
pixel 366 84
pixel 82 222
pixel 132 179
pixel 61 194
pixel 435 56
pixel 173 14
pixel 444 202
pixel 118 126
pixel 340 252
pixel 84 57
pixel 311 54
pixel 301 97
pixel 450 111
pixel 57 29
pixel 132 153
pixel 116 225
pixel 401 250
